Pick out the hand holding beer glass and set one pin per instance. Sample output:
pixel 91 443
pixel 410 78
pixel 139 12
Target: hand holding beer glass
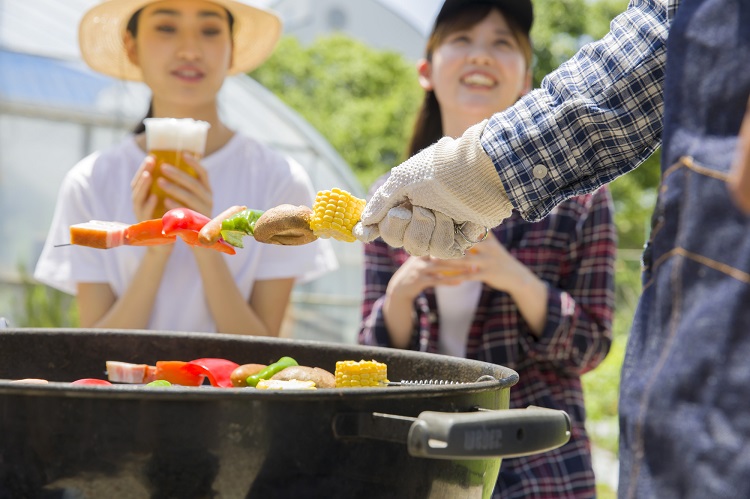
pixel 166 140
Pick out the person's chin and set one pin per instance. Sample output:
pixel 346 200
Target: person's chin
pixel 480 106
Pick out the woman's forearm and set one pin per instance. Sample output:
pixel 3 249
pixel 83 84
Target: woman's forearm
pixel 231 311
pixel 530 296
pixel 132 310
pixel 398 314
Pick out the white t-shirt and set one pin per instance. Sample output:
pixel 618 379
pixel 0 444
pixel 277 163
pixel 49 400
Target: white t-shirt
pixel 243 172
pixel 456 305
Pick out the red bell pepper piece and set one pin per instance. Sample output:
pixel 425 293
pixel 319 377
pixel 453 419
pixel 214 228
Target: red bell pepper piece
pixel 178 372
pixel 178 220
pixel 90 381
pixel 147 233
pixel 218 371
pixel 187 224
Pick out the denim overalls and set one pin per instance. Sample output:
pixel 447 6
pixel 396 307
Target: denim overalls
pixel 685 389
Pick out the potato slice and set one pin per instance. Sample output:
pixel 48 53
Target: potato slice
pixel 321 377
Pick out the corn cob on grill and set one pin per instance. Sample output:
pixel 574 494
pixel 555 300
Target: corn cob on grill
pixel 365 373
pixel 335 213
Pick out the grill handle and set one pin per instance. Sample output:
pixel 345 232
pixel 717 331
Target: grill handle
pixel 462 435
pixel 476 435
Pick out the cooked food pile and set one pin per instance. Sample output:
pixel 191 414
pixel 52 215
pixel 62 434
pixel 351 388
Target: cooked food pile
pixel 284 374
pixel 333 215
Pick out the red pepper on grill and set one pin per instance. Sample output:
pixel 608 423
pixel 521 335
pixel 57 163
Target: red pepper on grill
pixel 90 381
pixel 187 223
pixel 178 372
pixel 218 371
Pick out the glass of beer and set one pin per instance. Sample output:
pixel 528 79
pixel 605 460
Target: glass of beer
pixel 166 140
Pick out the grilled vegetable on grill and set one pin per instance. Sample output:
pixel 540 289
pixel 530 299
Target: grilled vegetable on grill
pixel 270 370
pixel 239 375
pixel 159 382
pixel 218 371
pixel 321 377
pixel 178 372
pixel 91 382
pixel 30 381
pixel 286 373
pixel 365 373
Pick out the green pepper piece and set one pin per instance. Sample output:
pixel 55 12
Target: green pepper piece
pixel 241 224
pixel 270 370
pixel 159 383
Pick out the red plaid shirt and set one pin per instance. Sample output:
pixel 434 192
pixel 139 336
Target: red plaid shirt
pixel 573 251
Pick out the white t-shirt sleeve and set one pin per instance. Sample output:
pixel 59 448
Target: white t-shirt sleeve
pixel 61 267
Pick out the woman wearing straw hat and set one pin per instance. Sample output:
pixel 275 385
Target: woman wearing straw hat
pixel 183 50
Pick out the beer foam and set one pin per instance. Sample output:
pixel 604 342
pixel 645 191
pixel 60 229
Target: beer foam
pixel 173 134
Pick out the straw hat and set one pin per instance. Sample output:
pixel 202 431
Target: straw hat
pixel 101 31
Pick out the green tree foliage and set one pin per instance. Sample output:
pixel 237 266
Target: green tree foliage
pixel 41 306
pixel 558 32
pixel 362 100
pixel 635 195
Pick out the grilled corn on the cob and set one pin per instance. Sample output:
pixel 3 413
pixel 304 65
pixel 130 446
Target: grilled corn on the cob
pixel 335 214
pixel 351 374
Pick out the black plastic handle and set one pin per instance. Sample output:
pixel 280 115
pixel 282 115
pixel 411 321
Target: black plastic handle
pixel 477 435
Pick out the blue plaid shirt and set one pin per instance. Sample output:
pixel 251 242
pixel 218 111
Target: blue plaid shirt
pixel 596 117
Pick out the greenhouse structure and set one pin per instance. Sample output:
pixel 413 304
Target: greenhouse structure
pixel 54 111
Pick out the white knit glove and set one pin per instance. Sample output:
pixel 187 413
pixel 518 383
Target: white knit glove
pixel 449 185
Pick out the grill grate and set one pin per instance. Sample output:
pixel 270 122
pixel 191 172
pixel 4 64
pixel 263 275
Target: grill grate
pixel 409 382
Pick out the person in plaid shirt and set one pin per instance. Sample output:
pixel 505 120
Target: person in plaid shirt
pixel 668 73
pixel 537 297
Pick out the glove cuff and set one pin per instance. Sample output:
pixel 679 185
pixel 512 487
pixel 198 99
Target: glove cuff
pixel 465 171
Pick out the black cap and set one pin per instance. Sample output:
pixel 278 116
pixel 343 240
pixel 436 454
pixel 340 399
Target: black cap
pixel 520 10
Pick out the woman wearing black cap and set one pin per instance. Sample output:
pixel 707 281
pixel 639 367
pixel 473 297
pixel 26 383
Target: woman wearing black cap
pixel 670 73
pixel 536 297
